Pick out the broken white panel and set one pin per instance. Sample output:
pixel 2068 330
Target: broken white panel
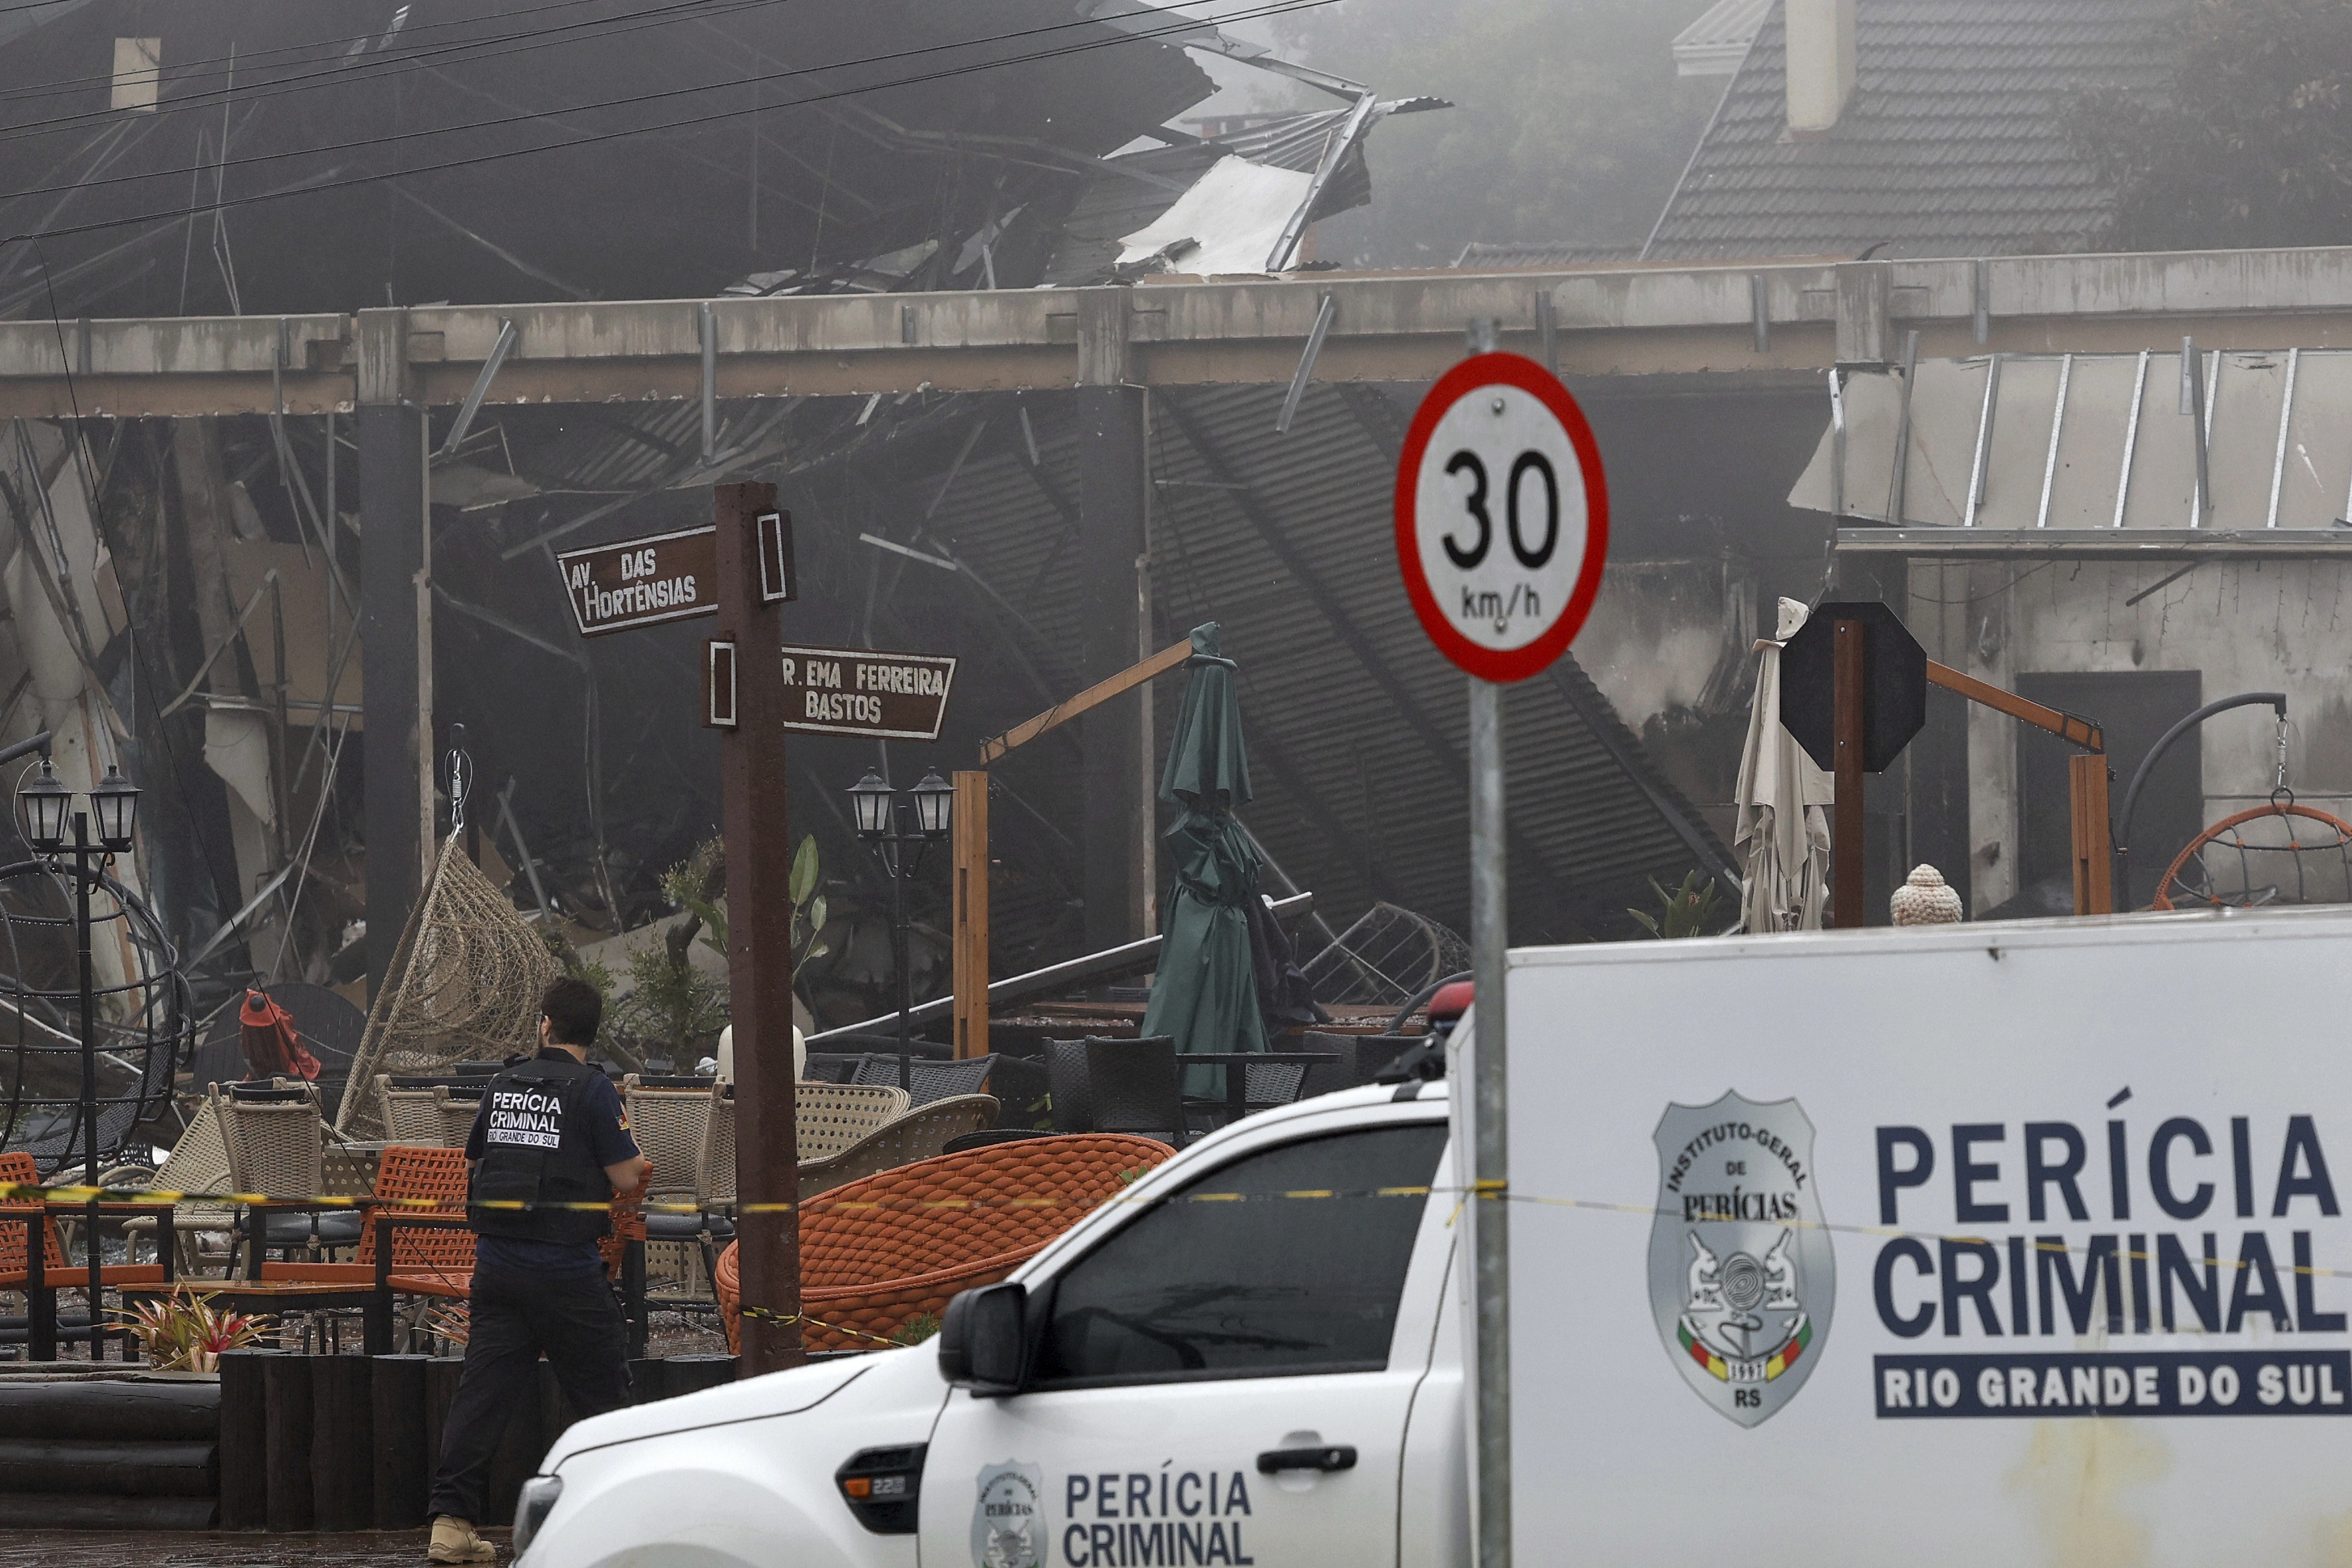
pixel 138 74
pixel 470 487
pixel 63 696
pixel 2316 481
pixel 309 651
pixel 2084 463
pixel 236 747
pixel 1232 216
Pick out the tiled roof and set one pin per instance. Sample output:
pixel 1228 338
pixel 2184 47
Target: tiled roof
pixel 1501 255
pixel 1951 146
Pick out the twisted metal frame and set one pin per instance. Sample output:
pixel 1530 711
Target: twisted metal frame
pixel 145 1026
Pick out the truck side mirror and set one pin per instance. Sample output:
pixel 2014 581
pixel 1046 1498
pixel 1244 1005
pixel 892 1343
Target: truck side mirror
pixel 984 1338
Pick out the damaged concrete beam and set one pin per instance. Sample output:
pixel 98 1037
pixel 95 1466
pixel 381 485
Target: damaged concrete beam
pixel 1623 320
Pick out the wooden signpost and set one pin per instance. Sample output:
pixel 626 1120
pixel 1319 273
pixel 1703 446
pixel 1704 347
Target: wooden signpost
pixel 1853 692
pixel 740 570
pixel 757 830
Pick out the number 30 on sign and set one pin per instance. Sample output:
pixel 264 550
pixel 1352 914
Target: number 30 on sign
pixel 1502 517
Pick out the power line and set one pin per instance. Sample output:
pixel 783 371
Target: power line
pixel 1278 7
pixel 263 54
pixel 345 76
pixel 340 70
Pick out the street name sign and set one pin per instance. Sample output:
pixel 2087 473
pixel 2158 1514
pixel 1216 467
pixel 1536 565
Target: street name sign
pixel 669 577
pixel 858 691
pixel 642 583
pixel 1502 517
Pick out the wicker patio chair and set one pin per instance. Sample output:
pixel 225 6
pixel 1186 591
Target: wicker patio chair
pixel 1116 1086
pixel 278 1147
pixel 920 1134
pixel 668 1124
pixel 411 1116
pixel 714 1164
pixel 931 1079
pixel 672 1127
pixel 1272 1083
pixel 879 1253
pixel 197 1162
pixel 831 1116
pixel 456 1110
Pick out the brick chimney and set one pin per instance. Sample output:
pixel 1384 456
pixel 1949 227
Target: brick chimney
pixel 1821 64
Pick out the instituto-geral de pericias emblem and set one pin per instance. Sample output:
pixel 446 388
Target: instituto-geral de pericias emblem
pixel 1742 1279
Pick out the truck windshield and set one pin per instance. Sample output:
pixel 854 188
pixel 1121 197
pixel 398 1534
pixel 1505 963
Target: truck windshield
pixel 1289 1260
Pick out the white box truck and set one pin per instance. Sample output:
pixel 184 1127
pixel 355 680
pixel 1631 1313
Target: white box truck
pixel 2007 1243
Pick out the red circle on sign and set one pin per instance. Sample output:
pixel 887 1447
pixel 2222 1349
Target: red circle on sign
pixel 1501 665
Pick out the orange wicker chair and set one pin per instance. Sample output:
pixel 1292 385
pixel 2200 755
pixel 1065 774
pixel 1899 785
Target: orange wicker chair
pixel 438 1260
pixel 878 1254
pixel 18 1169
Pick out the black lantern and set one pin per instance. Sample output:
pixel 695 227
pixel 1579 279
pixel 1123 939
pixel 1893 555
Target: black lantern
pixel 870 798
pixel 934 804
pixel 114 809
pixel 45 805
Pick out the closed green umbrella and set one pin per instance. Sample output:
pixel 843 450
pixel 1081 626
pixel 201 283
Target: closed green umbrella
pixel 1206 992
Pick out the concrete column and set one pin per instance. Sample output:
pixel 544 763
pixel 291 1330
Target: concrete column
pixel 1113 485
pixel 395 631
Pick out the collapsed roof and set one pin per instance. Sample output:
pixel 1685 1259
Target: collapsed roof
pixel 279 157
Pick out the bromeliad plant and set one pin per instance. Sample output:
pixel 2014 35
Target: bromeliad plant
pixel 186 1333
pixel 1688 911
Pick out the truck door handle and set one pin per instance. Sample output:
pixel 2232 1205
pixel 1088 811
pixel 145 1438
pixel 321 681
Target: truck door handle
pixel 1334 1457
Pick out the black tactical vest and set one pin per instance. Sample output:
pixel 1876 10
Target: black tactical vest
pixel 536 1150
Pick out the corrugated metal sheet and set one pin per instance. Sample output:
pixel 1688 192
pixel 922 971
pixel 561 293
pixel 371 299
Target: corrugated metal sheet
pixel 1116 203
pixel 1718 40
pixel 1356 725
pixel 1952 144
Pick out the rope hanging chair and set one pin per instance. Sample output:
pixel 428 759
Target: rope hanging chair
pixel 2273 854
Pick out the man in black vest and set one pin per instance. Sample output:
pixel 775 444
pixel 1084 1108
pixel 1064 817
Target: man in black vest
pixel 551 1131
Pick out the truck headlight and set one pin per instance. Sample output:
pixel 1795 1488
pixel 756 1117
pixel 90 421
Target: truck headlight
pixel 538 1501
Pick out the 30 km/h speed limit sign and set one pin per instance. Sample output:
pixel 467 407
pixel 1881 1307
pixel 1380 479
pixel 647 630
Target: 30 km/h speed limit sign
pixel 1502 518
pixel 1502 525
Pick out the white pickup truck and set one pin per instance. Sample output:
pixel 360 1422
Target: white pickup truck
pixel 1251 1358
pixel 2003 1243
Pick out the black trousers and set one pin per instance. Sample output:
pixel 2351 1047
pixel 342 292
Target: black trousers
pixel 516 1315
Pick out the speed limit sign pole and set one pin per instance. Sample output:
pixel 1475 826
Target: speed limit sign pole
pixel 1502 526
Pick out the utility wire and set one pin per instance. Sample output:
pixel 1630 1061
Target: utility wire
pixel 217 168
pixel 179 214
pixel 184 71
pixel 341 73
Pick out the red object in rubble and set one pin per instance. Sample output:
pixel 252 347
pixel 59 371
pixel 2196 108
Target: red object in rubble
pixel 1450 1002
pixel 273 1046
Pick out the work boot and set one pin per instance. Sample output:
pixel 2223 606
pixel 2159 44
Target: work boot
pixel 453 1540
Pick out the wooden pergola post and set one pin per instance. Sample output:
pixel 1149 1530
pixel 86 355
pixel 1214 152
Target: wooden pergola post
pixel 2087 782
pixel 968 832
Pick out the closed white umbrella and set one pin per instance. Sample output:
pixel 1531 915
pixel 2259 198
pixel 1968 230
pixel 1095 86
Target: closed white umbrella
pixel 1783 827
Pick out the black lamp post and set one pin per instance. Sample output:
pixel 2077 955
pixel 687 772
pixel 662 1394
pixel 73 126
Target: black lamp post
pixel 45 805
pixel 881 818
